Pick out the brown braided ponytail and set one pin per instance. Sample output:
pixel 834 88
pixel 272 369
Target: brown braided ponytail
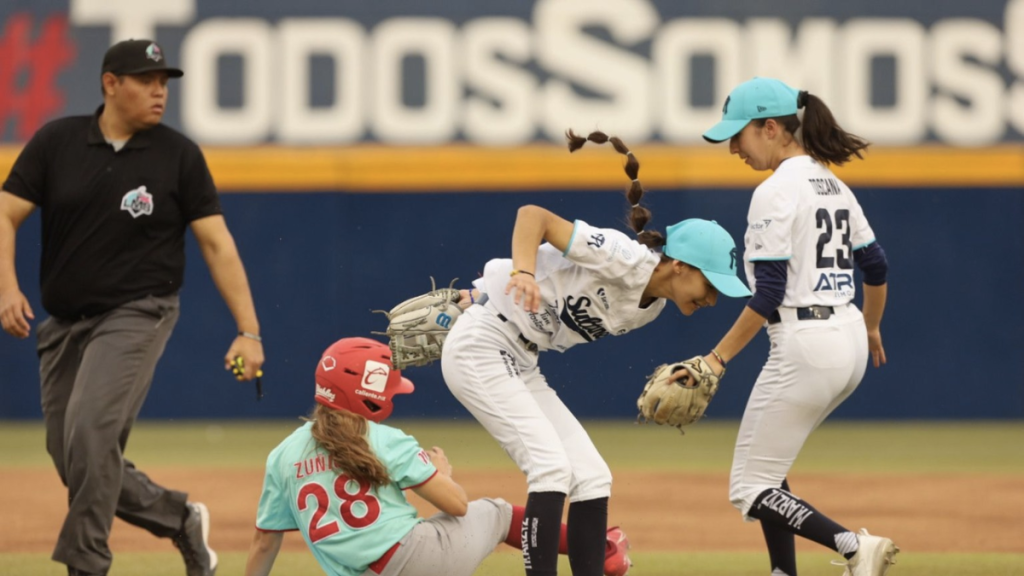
pixel 638 215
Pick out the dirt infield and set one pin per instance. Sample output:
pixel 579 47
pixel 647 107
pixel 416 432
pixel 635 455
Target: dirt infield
pixel 660 511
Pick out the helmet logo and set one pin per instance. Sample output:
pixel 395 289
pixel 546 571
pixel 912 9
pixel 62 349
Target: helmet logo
pixel 324 393
pixel 328 363
pixel 375 376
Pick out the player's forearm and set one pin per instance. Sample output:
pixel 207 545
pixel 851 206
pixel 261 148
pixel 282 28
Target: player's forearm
pixel 468 297
pixel 527 236
pixel 8 276
pixel 874 305
pixel 263 553
pixel 742 332
pixel 229 276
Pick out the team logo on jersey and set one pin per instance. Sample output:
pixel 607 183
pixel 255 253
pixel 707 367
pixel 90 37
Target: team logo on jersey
pixel 375 375
pixel 424 456
pixel 324 393
pixel 328 363
pixel 596 240
pixel 153 53
pixel 137 202
pixel 576 315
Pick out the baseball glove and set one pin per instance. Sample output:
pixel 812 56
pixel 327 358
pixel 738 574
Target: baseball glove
pixel 417 327
pixel 672 402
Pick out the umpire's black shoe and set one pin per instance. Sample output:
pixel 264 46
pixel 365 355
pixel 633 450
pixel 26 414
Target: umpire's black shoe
pixel 200 559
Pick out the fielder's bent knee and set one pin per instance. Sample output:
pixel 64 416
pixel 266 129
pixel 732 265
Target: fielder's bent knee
pixel 597 485
pixel 550 479
pixel 742 497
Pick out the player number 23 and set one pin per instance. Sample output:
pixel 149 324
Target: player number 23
pixel 842 254
pixel 319 494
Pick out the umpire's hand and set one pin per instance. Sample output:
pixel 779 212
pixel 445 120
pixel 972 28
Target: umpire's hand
pixel 251 353
pixel 15 313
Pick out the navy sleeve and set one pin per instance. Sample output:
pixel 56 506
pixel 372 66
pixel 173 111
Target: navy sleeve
pixel 770 286
pixel 872 262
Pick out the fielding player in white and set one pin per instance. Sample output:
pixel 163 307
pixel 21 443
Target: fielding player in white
pixel 805 232
pixel 339 479
pixel 583 284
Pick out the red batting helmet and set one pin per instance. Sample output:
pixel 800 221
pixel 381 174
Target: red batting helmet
pixel 356 374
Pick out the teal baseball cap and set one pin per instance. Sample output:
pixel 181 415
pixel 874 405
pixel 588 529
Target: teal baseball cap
pixel 705 245
pixel 754 99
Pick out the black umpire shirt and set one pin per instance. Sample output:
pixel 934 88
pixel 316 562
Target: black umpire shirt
pixel 113 222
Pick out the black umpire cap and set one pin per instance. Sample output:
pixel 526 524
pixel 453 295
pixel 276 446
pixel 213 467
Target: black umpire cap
pixel 137 57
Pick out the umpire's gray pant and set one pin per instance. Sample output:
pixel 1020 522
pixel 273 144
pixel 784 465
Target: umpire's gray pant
pixel 95 374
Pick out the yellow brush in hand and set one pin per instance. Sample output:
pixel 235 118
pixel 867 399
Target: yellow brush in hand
pixel 238 368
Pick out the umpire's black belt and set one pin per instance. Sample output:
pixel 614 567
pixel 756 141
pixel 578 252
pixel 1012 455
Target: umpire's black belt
pixel 809 313
pixel 530 346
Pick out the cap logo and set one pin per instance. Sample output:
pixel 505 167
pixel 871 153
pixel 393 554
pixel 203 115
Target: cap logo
pixel 761 108
pixel 732 259
pixel 328 363
pixel 375 375
pixel 725 109
pixel 324 393
pixel 153 53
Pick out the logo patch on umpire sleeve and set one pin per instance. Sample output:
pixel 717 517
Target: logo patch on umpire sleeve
pixel 137 202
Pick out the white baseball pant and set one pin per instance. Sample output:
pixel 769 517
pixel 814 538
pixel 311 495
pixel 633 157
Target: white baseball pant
pixel 492 374
pixel 813 365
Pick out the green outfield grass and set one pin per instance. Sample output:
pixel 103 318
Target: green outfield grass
pixel 890 447
pixel 836 447
pixel 510 564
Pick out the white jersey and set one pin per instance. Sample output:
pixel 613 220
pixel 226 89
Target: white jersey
pixel 591 291
pixel 805 215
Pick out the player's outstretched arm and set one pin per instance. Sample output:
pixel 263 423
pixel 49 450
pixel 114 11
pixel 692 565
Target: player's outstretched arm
pixel 262 552
pixel 736 339
pixel 441 491
pixel 221 255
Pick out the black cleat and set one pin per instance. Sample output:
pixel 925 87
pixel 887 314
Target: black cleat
pixel 200 559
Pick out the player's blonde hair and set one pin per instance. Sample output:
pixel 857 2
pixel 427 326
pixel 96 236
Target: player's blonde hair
pixel 342 434
pixel 638 215
pixel 823 138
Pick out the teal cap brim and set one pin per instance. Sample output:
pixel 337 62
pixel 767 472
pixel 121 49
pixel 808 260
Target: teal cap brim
pixel 727 284
pixel 725 130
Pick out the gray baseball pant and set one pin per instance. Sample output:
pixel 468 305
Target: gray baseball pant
pixel 95 374
pixel 451 545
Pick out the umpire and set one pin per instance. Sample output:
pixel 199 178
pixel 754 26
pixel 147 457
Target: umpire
pixel 117 190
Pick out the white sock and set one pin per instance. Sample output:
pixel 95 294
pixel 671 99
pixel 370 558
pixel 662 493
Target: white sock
pixel 847 544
